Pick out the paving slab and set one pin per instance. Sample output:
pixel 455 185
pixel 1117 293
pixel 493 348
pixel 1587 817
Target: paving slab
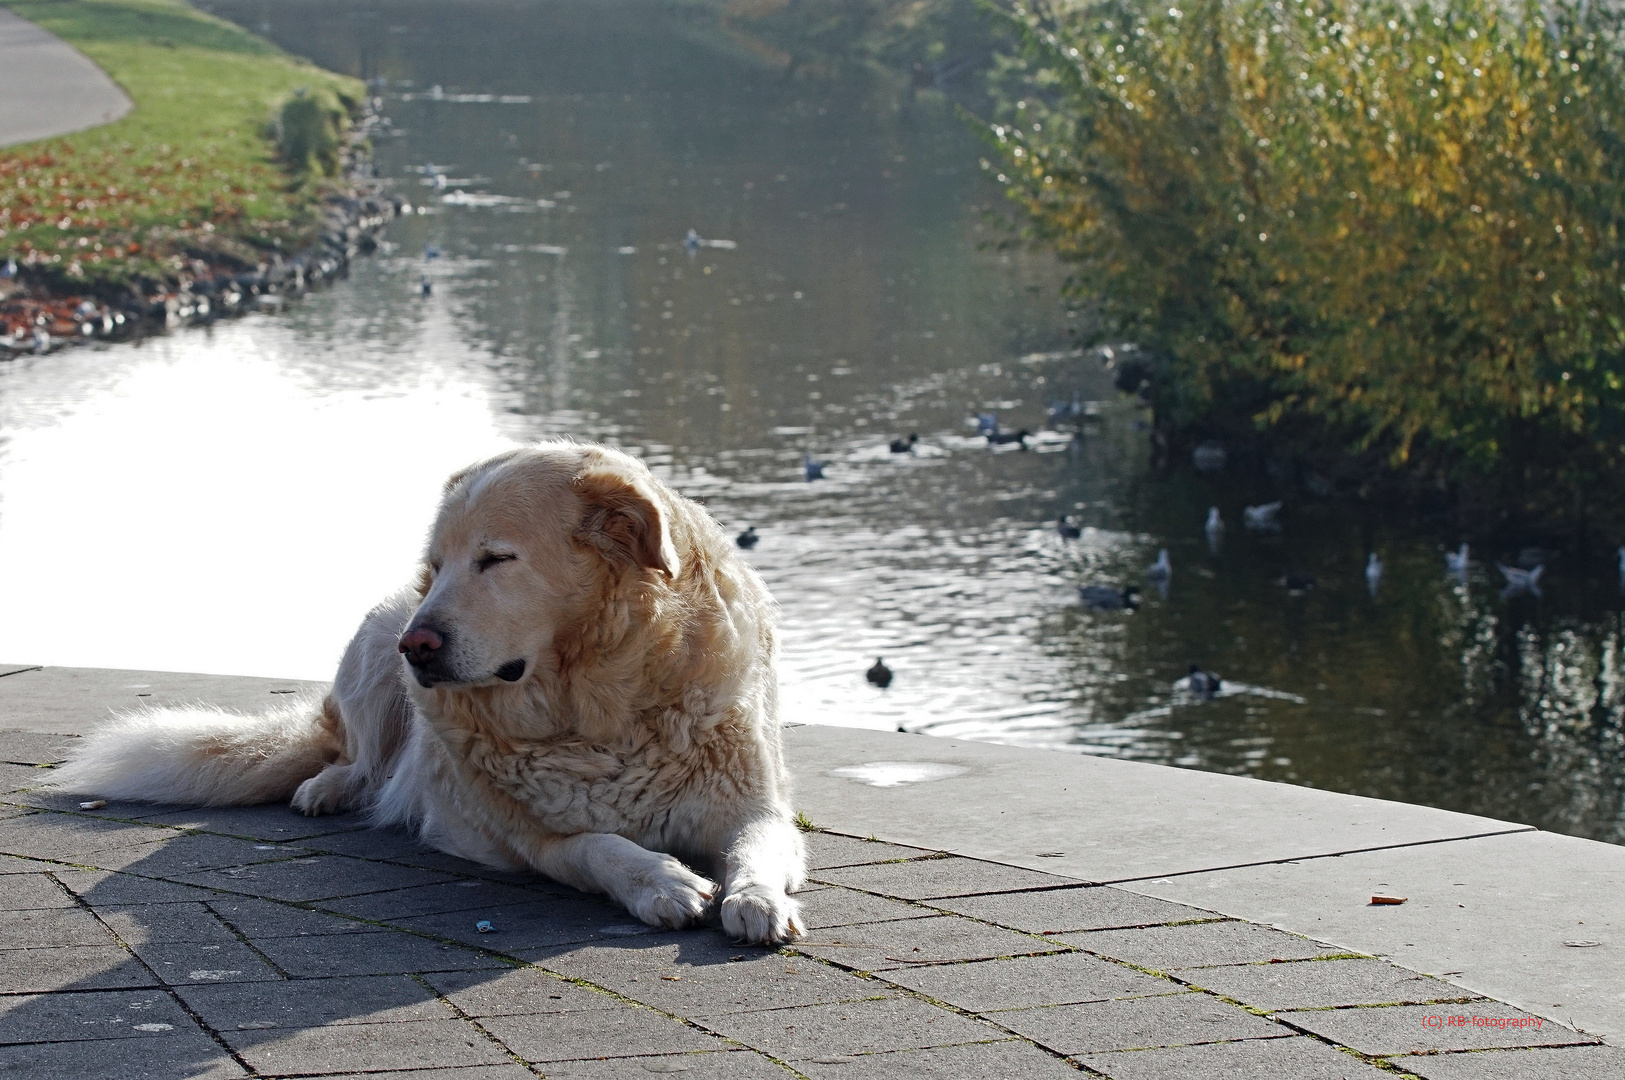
pixel 517 992
pixel 102 888
pixel 75 701
pixel 462 868
pixel 1058 979
pixel 537 924
pixel 1413 1029
pixel 644 948
pixel 166 924
pixel 1137 1023
pixel 265 824
pixel 90 967
pixel 184 853
pixel 16 778
pixel 1199 945
pixel 76 839
pixel 1101 907
pixel 70 1017
pixel 11 864
pixel 45 928
pixel 191 1054
pixel 181 963
pixel 256 919
pixel 1570 1063
pixel 293 1005
pixel 35 748
pixel 935 940
pixel 23 891
pixel 858 1027
pixel 978 1061
pixel 826 850
pixel 388 844
pixel 320 877
pixel 931 877
pixel 624 1031
pixel 829 906
pixel 1111 820
pixel 370 954
pixel 409 1044
pixel 1316 984
pixel 442 897
pixel 36 798
pixel 1490 915
pixel 670 975
pixel 1253 1059
pixel 509 1071
pixel 724 1065
pixel 49 88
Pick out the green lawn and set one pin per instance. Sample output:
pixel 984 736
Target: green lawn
pixel 191 172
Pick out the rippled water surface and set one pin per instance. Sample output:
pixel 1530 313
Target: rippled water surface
pixel 233 499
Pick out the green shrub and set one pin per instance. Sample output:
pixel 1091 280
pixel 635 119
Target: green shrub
pixel 309 132
pixel 1396 223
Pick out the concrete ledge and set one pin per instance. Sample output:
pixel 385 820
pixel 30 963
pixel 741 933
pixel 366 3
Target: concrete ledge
pixel 1490 903
pixel 1015 911
pixel 72 701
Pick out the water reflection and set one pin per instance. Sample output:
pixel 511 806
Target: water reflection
pixel 234 500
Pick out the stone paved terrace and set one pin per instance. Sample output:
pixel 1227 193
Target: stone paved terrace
pixel 148 941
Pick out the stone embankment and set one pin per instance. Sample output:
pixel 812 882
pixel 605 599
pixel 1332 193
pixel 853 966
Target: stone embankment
pixel 36 318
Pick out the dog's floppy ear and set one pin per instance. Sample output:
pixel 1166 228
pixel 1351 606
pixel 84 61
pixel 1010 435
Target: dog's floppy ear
pixel 624 520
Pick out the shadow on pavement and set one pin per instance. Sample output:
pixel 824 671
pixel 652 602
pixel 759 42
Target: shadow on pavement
pixel 150 941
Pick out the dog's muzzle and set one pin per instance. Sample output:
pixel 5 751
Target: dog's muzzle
pixel 425 649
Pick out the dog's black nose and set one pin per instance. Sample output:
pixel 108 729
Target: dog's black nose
pixel 421 645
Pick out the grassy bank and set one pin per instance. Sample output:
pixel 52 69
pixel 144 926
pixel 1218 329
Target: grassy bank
pixel 222 158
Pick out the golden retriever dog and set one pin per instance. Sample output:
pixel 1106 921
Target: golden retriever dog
pixel 581 683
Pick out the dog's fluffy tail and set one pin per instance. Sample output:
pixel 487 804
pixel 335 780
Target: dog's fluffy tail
pixel 204 756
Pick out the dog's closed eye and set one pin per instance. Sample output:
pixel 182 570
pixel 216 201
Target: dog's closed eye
pixel 490 559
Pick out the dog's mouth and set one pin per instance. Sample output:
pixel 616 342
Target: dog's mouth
pixel 512 671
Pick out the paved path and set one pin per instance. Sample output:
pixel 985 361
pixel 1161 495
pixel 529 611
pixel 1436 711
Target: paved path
pixel 48 88
pixel 163 942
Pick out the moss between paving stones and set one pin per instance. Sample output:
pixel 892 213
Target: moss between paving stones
pixel 190 171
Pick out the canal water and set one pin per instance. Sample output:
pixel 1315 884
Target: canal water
pixel 232 499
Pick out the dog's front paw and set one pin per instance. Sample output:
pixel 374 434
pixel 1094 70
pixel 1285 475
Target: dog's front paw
pixel 671 895
pixel 761 915
pixel 323 793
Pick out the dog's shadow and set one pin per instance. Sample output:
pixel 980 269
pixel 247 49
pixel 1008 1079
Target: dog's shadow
pixel 194 937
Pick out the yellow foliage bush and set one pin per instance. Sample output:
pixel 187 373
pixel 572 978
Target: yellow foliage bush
pixel 1400 223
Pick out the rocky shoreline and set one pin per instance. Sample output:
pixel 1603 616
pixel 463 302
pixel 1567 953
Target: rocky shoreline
pixel 37 316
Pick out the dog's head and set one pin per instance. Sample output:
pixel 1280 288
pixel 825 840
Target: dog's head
pixel 524 543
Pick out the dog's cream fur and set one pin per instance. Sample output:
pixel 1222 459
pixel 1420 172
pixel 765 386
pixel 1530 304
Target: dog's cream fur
pixel 642 731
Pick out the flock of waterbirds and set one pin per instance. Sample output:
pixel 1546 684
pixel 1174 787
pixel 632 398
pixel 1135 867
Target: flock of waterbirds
pixel 1107 597
pixel 987 427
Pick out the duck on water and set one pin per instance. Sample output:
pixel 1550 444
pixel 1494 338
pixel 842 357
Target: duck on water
pixel 1109 597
